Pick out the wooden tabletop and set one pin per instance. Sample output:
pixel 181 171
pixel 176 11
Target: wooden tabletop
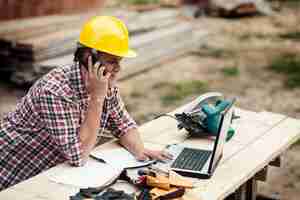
pixel 260 138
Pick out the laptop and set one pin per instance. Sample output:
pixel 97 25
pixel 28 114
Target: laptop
pixel 201 163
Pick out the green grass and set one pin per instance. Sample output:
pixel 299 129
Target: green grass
pixel 215 52
pixel 142 1
pixel 291 3
pixel 288 64
pixel 297 143
pixel 175 92
pixel 294 35
pixel 231 71
pixel 248 36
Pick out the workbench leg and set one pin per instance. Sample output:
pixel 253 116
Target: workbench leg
pixel 239 194
pixel 251 189
pixel 276 162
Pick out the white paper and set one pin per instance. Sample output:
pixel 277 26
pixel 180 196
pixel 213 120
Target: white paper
pixel 92 174
pixel 120 158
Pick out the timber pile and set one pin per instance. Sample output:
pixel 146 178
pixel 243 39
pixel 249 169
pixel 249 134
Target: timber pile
pixel 48 38
pixel 32 48
pixel 24 43
pixel 153 48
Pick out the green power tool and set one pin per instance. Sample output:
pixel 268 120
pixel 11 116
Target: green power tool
pixel 205 117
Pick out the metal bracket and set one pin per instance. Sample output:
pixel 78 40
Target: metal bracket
pixel 276 162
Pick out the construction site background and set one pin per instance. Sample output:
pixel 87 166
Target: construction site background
pixel 13 9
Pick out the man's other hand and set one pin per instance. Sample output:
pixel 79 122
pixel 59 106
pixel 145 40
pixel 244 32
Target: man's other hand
pixel 147 154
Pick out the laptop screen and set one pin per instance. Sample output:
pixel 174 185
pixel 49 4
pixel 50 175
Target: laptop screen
pixel 225 124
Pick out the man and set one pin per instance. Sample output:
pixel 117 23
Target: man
pixel 59 118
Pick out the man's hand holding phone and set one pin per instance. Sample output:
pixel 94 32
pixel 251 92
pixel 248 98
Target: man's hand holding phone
pixel 98 80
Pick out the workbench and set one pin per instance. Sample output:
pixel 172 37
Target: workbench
pixel 260 140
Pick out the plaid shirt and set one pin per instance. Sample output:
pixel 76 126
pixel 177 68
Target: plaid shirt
pixel 44 129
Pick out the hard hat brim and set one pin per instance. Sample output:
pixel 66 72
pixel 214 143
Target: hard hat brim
pixel 130 54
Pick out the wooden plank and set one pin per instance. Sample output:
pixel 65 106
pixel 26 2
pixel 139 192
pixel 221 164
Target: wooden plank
pixel 150 43
pixel 31 27
pixel 31 32
pixel 251 132
pixel 250 160
pixel 12 194
pixel 168 134
pixel 269 117
pixel 227 178
pixel 53 39
pixel 228 159
pixel 251 190
pixel 64 42
pixel 71 30
pixel 19 24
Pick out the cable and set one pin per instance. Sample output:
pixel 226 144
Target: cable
pixel 167 115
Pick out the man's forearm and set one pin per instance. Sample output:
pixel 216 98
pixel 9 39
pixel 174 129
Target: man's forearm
pixel 133 142
pixel 89 128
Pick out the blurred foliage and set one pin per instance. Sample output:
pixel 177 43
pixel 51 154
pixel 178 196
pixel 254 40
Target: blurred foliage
pixel 231 71
pixel 217 53
pixel 174 92
pixel 214 52
pixel 291 3
pixel 288 64
pixel 142 1
pixel 297 143
pixel 294 35
pixel 248 36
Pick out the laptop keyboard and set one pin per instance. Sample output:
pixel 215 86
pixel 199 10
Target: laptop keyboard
pixel 191 159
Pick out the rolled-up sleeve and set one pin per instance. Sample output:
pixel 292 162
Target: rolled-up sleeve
pixel 119 120
pixel 61 119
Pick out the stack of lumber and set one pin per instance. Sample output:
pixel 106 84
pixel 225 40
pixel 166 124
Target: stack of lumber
pixel 30 48
pixel 48 38
pixel 153 48
pixel 23 43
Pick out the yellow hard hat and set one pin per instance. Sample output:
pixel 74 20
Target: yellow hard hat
pixel 107 34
